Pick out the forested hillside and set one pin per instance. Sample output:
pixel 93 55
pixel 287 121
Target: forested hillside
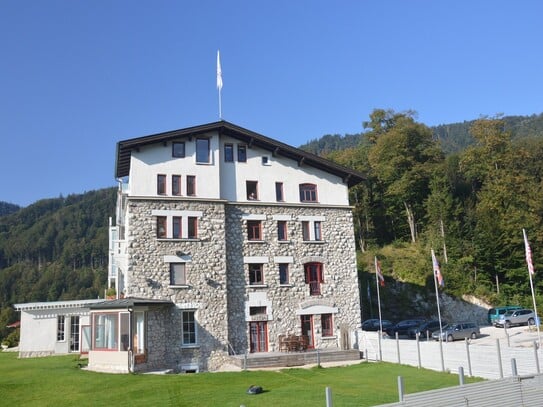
pixel 54 249
pixel 6 208
pixel 453 138
pixel 470 207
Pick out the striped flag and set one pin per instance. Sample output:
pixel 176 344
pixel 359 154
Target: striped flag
pixel 437 270
pixel 528 254
pixel 219 71
pixel 378 272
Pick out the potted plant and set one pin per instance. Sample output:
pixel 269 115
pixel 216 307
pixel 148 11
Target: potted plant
pixel 111 293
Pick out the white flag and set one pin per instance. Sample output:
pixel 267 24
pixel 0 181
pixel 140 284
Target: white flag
pixel 219 72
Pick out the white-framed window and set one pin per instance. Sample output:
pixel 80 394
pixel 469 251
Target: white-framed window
pixel 176 224
pixel 312 228
pixel 178 274
pixel 61 328
pixel 140 333
pixel 188 329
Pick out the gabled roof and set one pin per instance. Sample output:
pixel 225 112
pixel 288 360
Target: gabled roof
pixel 252 139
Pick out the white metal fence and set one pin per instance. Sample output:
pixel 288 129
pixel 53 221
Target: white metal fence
pixel 492 360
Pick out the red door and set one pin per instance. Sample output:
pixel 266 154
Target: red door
pixel 307 330
pixel 258 332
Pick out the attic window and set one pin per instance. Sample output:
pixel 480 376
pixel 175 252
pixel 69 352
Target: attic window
pixel 178 149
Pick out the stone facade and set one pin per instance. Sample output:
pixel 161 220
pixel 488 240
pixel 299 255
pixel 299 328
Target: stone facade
pixel 336 251
pixel 233 296
pixel 217 272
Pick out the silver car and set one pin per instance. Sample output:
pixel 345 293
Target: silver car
pixel 516 317
pixel 459 330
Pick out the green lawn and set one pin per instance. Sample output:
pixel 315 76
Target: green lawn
pixel 58 381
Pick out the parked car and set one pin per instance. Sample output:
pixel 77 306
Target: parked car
pixel 373 324
pixel 516 317
pixel 426 329
pixel 495 313
pixel 459 330
pixel 403 327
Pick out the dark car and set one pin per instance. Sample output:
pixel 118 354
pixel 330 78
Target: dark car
pixel 425 329
pixel 403 327
pixel 373 324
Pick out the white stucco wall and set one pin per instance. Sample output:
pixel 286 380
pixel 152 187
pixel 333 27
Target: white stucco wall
pixel 227 180
pixel 156 159
pixel 39 326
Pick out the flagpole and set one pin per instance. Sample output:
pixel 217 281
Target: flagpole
pixel 219 82
pixel 379 307
pixel 434 264
pixel 530 272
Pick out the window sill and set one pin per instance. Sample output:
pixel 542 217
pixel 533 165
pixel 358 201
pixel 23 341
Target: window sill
pixel 315 241
pixel 287 285
pixel 190 346
pixel 183 239
pixel 256 241
pixel 257 286
pixel 325 338
pixel 179 286
pixel 284 241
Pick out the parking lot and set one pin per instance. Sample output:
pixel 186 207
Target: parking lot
pixel 489 356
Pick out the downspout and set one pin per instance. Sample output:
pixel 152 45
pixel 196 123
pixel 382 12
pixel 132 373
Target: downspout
pixel 131 361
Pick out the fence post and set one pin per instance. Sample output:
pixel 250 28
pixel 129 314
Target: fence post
pixel 461 375
pixel 329 402
pixel 499 358
pixel 398 346
pixel 469 357
pixel 536 358
pixel 418 349
pixel 400 388
pixel 514 367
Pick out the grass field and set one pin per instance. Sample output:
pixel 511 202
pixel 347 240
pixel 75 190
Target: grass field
pixel 58 381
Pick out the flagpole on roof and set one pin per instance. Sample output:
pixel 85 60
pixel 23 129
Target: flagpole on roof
pixel 531 272
pixel 437 276
pixel 378 281
pixel 219 82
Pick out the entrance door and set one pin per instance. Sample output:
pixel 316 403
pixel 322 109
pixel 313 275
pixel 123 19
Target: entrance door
pixel 307 330
pixel 74 334
pixel 258 332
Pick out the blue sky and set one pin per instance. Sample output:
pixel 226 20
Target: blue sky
pixel 77 76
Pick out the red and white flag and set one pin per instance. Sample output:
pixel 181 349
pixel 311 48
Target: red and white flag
pixel 379 273
pixel 528 254
pixel 437 270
